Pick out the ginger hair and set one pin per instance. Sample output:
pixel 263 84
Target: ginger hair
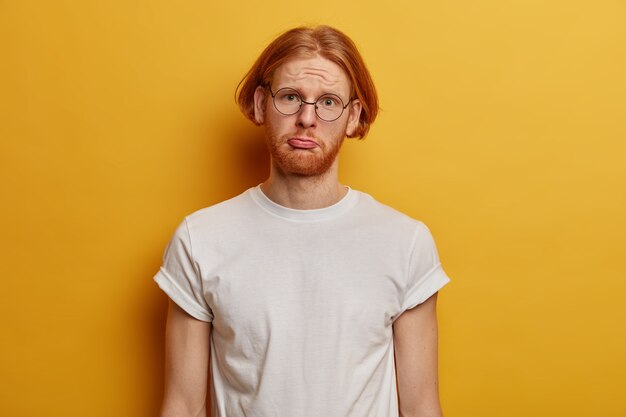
pixel 325 41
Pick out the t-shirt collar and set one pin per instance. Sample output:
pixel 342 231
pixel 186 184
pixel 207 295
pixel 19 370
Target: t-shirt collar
pixel 346 203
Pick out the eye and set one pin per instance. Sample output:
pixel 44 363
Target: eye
pixel 329 101
pixel 288 96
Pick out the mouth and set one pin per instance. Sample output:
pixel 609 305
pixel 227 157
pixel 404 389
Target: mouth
pixel 302 143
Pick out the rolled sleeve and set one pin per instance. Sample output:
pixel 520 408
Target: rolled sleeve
pixel 179 278
pixel 425 273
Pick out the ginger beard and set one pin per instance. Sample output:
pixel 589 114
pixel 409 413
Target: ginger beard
pixel 302 162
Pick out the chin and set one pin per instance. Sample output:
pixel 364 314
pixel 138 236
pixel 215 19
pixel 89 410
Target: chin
pixel 304 165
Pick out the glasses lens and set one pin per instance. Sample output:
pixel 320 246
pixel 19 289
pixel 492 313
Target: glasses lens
pixel 329 107
pixel 287 101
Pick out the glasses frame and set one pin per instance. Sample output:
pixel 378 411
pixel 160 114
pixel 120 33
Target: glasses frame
pixel 302 101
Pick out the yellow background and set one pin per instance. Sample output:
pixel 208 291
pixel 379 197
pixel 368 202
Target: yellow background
pixel 502 128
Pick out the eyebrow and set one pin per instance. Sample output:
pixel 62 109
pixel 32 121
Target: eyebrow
pixel 318 97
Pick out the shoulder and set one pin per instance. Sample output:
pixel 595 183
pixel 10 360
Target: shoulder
pixel 389 224
pixel 221 214
pixel 386 214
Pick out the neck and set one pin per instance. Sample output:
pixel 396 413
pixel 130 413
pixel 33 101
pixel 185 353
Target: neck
pixel 304 192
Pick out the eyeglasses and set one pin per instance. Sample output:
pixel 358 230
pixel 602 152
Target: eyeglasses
pixel 328 107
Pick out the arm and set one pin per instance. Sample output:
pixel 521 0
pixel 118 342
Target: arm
pixel 415 340
pixel 186 364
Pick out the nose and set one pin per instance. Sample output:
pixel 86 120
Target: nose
pixel 307 117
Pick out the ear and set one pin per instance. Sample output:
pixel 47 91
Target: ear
pixel 259 105
pixel 353 117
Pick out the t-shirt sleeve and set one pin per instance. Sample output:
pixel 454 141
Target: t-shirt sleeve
pixel 425 273
pixel 179 278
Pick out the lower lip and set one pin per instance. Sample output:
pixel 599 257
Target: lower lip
pixel 302 144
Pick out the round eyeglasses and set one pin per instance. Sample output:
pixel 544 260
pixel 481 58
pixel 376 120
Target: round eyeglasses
pixel 328 107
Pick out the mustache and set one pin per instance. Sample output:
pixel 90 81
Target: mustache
pixel 302 134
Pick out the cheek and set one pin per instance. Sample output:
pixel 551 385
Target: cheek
pixel 275 127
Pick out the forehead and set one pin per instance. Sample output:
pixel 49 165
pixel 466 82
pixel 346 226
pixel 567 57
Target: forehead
pixel 312 72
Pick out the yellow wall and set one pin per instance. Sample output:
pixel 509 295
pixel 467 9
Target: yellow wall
pixel 503 128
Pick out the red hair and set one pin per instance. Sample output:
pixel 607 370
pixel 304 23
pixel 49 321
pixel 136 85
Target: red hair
pixel 325 41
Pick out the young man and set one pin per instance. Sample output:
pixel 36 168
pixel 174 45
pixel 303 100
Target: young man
pixel 312 298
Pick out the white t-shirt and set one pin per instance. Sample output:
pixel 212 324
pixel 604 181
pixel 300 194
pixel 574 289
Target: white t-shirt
pixel 301 302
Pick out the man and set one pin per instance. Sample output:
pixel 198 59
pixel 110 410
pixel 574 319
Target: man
pixel 312 298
